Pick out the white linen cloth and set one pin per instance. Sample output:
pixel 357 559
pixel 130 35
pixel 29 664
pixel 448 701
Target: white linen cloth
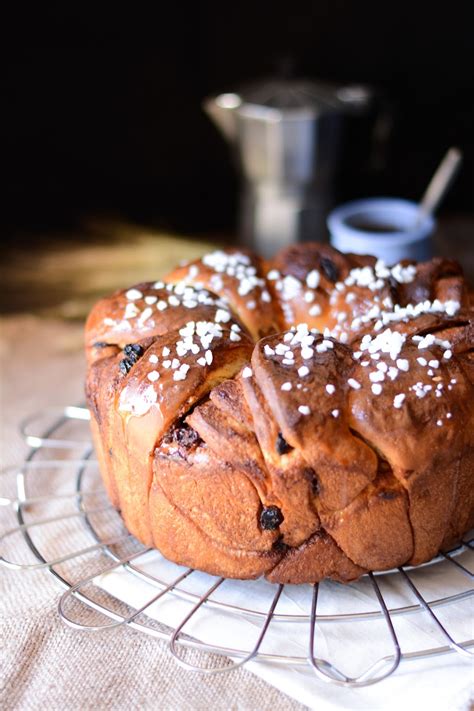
pixel 442 682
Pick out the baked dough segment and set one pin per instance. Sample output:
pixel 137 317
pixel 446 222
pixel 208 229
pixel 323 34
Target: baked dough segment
pixel 321 306
pixel 439 278
pixel 136 411
pixel 374 530
pixel 101 384
pixel 461 337
pixel 179 539
pixel 238 277
pixel 228 396
pixel 220 500
pixel 365 515
pixel 317 285
pixel 127 473
pixel 343 465
pixel 292 484
pixel 148 408
pixel 175 390
pixel 149 309
pixel 315 559
pixel 421 441
pixel 230 441
pixel 287 277
pixel 455 328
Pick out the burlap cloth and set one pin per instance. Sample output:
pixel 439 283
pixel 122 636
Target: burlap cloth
pixel 46 665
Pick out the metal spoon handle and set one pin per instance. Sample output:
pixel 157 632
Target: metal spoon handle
pixel 440 183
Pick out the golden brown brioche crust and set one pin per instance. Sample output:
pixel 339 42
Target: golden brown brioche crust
pixel 303 418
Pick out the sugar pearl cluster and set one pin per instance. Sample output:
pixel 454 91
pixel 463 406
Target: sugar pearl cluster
pixel 196 340
pixel 289 287
pixel 161 297
pixel 299 343
pixel 238 266
pixel 196 343
pixel 390 344
pixel 382 311
pixel 373 278
pixel 381 353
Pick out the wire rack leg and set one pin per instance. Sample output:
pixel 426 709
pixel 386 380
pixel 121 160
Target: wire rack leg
pixel 381 669
pixel 232 665
pixel 74 590
pixel 67 556
pixel 452 643
pixel 458 565
pixel 125 620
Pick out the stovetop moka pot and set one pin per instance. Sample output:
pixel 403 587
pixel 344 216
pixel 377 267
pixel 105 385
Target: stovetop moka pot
pixel 286 136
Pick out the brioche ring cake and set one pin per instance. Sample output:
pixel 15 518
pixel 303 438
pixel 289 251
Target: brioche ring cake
pixel 306 418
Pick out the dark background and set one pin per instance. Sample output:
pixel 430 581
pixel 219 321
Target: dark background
pixel 102 106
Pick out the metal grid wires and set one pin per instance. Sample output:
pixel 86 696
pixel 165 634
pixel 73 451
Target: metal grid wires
pixel 352 635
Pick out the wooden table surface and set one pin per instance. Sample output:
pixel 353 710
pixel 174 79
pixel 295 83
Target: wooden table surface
pixel 62 275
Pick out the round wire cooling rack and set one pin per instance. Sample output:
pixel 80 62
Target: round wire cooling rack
pixel 63 522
